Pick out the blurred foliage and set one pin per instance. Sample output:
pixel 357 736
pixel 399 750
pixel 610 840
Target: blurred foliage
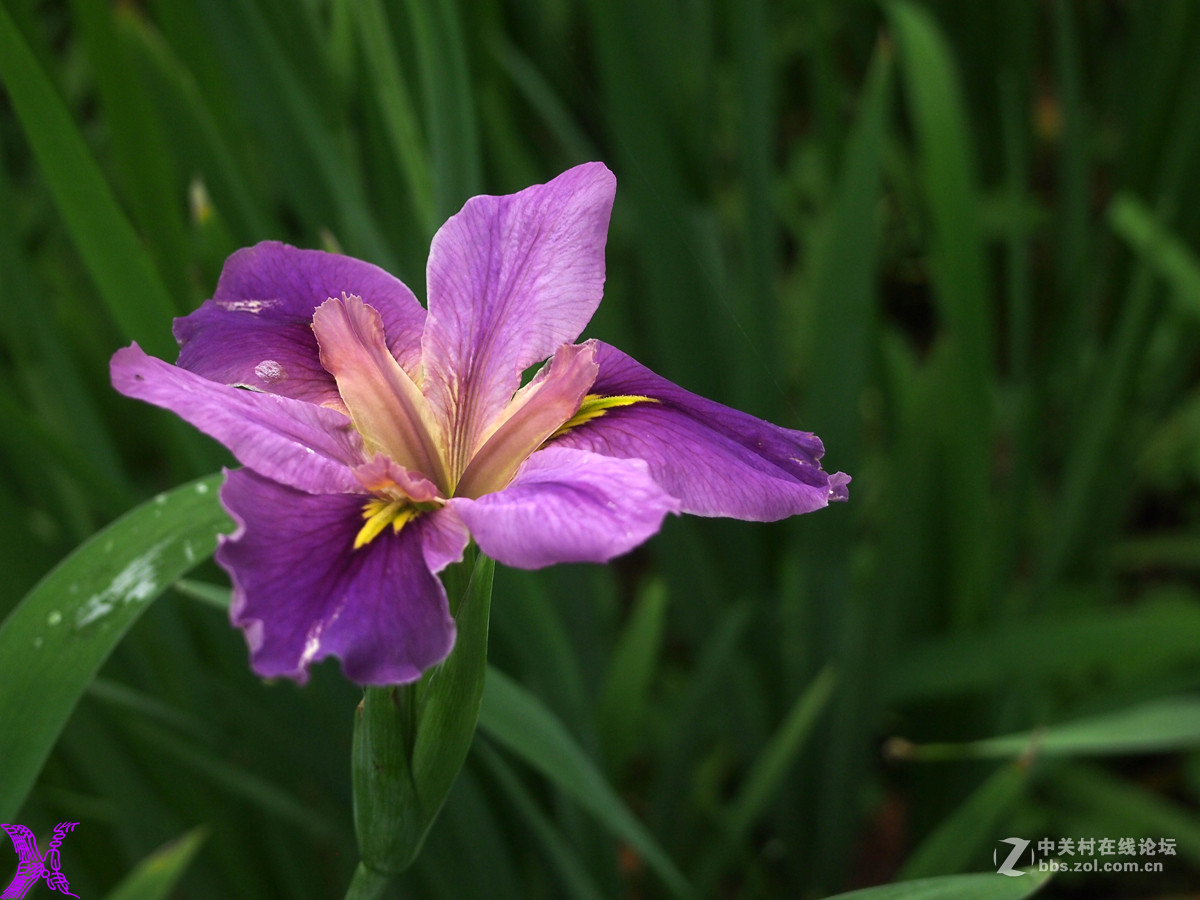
pixel 957 240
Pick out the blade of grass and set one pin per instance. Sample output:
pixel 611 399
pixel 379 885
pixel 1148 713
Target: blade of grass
pixel 396 104
pixel 128 283
pixel 1158 726
pixel 622 703
pixel 156 876
pixel 518 721
pixel 1159 246
pixel 575 878
pixel 960 283
pixel 956 842
pixel 985 886
pixel 761 787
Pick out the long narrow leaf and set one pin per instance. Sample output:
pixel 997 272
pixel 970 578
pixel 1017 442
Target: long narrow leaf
pixel 516 719
pixel 156 875
pixel 127 280
pixel 54 642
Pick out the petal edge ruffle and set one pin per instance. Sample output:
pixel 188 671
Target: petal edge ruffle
pixel 302 594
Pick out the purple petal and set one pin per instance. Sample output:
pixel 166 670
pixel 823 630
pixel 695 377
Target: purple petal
pixel 301 593
pixel 567 506
pixel 255 330
pixel 510 280
pixel 717 460
pixel 302 445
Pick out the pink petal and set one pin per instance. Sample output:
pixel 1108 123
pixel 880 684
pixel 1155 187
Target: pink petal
pixel 387 407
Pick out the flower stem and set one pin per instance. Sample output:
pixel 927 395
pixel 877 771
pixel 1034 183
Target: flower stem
pixel 367 884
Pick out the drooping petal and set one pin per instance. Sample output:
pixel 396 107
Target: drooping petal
pixel 387 407
pixel 567 506
pixel 717 460
pixel 536 412
pixel 255 330
pixel 297 443
pixel 510 279
pixel 301 593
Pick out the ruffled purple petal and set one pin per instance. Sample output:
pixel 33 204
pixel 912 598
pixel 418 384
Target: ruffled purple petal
pixel 255 330
pixel 567 506
pixel 301 593
pixel 511 279
pixel 302 445
pixel 717 460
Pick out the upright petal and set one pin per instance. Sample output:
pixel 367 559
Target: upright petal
pixel 510 279
pixel 255 330
pixel 567 506
pixel 535 413
pixel 717 460
pixel 387 407
pixel 302 594
pixel 297 443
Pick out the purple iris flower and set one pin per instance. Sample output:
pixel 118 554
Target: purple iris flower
pixel 378 436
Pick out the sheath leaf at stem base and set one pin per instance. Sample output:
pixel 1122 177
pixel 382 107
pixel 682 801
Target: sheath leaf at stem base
pixel 411 740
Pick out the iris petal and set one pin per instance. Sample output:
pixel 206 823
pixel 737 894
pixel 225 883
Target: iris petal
pixel 536 412
pixel 567 506
pixel 301 593
pixel 387 407
pixel 510 280
pixel 718 461
pixel 256 330
pixel 294 442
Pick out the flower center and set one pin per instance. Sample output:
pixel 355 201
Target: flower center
pixel 596 405
pixel 380 513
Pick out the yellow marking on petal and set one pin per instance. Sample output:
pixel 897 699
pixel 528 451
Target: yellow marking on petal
pixel 596 405
pixel 381 513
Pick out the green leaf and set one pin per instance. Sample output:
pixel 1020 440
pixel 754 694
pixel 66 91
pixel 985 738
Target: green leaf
pixel 159 872
pixel 1157 727
pixel 519 721
pixel 53 643
pixel 396 106
pixel 954 844
pixel 985 886
pixel 1161 247
pixel 962 360
pixel 577 882
pixel 127 280
pixel 622 703
pixel 411 740
pixel 1157 633
pixel 769 771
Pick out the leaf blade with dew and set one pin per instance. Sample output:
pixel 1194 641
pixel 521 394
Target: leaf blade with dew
pixel 53 643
